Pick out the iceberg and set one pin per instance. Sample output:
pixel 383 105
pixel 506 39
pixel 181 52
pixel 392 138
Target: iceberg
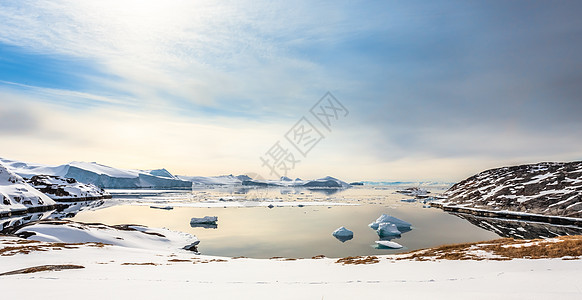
pixel 343 234
pixel 414 191
pixel 389 244
pixel 162 207
pixel 387 229
pixel 100 175
pixel 205 220
pixel 384 218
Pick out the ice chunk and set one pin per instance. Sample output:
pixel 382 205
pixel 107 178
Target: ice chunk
pixel 343 234
pixel 389 244
pixel 384 218
pixel 342 231
pixel 162 207
pixel 205 220
pixel 386 229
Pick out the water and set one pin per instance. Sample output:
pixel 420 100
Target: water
pixel 262 232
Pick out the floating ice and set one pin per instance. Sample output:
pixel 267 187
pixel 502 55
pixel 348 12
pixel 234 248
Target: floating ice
pixel 389 244
pixel 342 231
pixel 343 234
pixel 162 207
pixel 386 229
pixel 384 218
pixel 205 220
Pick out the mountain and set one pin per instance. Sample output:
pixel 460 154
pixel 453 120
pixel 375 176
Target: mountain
pixel 325 182
pixel 108 177
pixel 215 180
pixel 549 188
pixel 16 195
pixel 100 175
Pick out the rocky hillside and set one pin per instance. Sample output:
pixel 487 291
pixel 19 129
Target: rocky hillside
pixel 552 189
pixel 16 195
pixel 67 189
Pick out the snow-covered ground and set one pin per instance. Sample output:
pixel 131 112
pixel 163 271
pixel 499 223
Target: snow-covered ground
pixel 142 271
pixel 17 196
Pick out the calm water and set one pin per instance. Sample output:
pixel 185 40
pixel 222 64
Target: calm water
pixel 262 232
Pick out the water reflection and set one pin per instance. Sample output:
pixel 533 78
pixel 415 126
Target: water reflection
pixel 520 229
pixel 343 239
pixel 207 226
pixel 66 210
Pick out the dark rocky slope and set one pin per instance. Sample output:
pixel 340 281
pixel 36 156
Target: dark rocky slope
pixel 550 189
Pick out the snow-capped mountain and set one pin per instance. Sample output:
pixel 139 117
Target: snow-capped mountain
pixel 545 188
pixel 16 195
pixel 215 180
pixel 100 175
pixel 108 177
pixel 325 182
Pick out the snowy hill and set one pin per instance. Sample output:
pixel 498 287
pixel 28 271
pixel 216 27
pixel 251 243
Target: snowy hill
pixel 215 180
pixel 67 189
pixel 325 182
pixel 100 175
pixel 18 196
pixel 552 189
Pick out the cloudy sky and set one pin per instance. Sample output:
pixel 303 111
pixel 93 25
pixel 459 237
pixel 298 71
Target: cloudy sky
pixel 432 90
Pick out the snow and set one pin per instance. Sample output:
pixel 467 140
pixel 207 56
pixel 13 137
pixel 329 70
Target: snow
pixel 204 220
pixel 343 232
pixel 17 195
pixel 213 180
pixel 135 237
pixel 325 182
pixel 178 273
pixel 389 244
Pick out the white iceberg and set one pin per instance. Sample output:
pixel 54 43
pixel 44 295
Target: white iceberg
pixel 389 244
pixel 100 175
pixel 205 220
pixel 384 218
pixel 387 229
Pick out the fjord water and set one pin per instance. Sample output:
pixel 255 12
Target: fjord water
pixel 293 232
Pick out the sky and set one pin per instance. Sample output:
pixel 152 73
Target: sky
pixel 422 90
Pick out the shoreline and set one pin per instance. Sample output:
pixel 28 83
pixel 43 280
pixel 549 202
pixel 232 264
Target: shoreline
pixel 556 220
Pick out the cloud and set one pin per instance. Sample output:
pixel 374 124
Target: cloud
pixel 460 82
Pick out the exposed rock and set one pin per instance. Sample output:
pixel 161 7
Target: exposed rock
pixel 67 189
pixel 552 189
pixel 520 229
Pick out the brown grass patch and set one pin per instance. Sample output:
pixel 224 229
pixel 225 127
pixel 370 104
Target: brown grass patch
pixel 321 256
pixel 358 260
pixel 179 260
pixel 42 269
pixel 140 264
pixel 504 249
pixel 32 246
